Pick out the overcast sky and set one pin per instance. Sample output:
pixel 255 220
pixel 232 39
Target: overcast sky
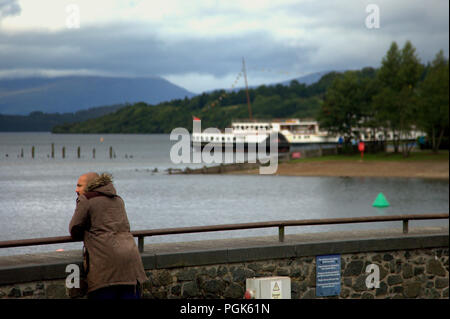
pixel 199 45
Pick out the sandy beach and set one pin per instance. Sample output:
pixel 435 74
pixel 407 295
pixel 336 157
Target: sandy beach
pixel 413 169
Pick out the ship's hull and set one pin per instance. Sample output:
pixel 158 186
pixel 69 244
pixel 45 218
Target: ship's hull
pixel 241 145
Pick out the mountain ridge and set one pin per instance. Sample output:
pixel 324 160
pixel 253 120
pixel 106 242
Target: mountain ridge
pixel 69 94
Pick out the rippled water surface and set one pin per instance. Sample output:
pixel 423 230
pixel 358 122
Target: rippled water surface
pixel 37 196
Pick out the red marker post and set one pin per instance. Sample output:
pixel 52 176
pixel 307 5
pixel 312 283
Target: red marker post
pixel 296 155
pixel 361 147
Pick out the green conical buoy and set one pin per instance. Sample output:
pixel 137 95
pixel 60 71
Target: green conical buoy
pixel 381 201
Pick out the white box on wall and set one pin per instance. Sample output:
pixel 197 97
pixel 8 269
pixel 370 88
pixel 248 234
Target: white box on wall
pixel 268 288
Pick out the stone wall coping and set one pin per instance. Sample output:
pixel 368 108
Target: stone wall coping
pixel 51 266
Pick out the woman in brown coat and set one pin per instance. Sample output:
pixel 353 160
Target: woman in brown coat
pixel 115 268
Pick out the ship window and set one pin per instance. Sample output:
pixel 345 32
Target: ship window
pixel 212 138
pixel 223 138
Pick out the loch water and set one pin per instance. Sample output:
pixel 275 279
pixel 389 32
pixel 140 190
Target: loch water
pixel 37 196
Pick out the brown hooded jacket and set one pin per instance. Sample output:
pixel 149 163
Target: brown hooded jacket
pixel 101 221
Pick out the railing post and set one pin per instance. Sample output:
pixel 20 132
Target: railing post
pixel 405 226
pixel 141 244
pixel 281 233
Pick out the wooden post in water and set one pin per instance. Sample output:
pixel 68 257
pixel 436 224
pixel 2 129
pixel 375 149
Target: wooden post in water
pixel 53 150
pixel 78 152
pixel 21 153
pixel 110 152
pixel 63 152
pixel 93 153
pixel 32 152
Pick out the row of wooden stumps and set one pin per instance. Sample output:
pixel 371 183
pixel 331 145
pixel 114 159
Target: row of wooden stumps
pixel 112 154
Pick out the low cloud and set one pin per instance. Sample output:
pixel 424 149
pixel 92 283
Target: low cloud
pixel 205 52
pixel 116 49
pixel 9 8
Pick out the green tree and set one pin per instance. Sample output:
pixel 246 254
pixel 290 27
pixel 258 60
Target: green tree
pixel 396 103
pixel 434 101
pixel 342 110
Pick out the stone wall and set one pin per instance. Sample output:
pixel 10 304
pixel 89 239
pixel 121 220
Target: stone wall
pixel 404 273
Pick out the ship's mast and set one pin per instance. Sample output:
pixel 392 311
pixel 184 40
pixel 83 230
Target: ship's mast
pixel 246 89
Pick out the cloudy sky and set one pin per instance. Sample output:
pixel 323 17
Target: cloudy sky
pixel 199 44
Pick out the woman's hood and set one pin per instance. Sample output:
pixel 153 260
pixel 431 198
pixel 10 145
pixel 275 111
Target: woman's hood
pixel 102 184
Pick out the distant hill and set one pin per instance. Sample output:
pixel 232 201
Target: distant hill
pixel 44 122
pixel 70 94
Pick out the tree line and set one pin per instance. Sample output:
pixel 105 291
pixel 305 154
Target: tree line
pixel 38 121
pixel 403 95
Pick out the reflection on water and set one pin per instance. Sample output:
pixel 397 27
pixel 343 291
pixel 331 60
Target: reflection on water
pixel 38 196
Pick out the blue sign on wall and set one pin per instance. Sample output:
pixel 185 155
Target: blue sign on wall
pixel 328 275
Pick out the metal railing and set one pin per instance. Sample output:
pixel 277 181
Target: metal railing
pixel 141 234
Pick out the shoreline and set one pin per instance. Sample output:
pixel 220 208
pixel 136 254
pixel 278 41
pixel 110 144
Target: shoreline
pixel 342 168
